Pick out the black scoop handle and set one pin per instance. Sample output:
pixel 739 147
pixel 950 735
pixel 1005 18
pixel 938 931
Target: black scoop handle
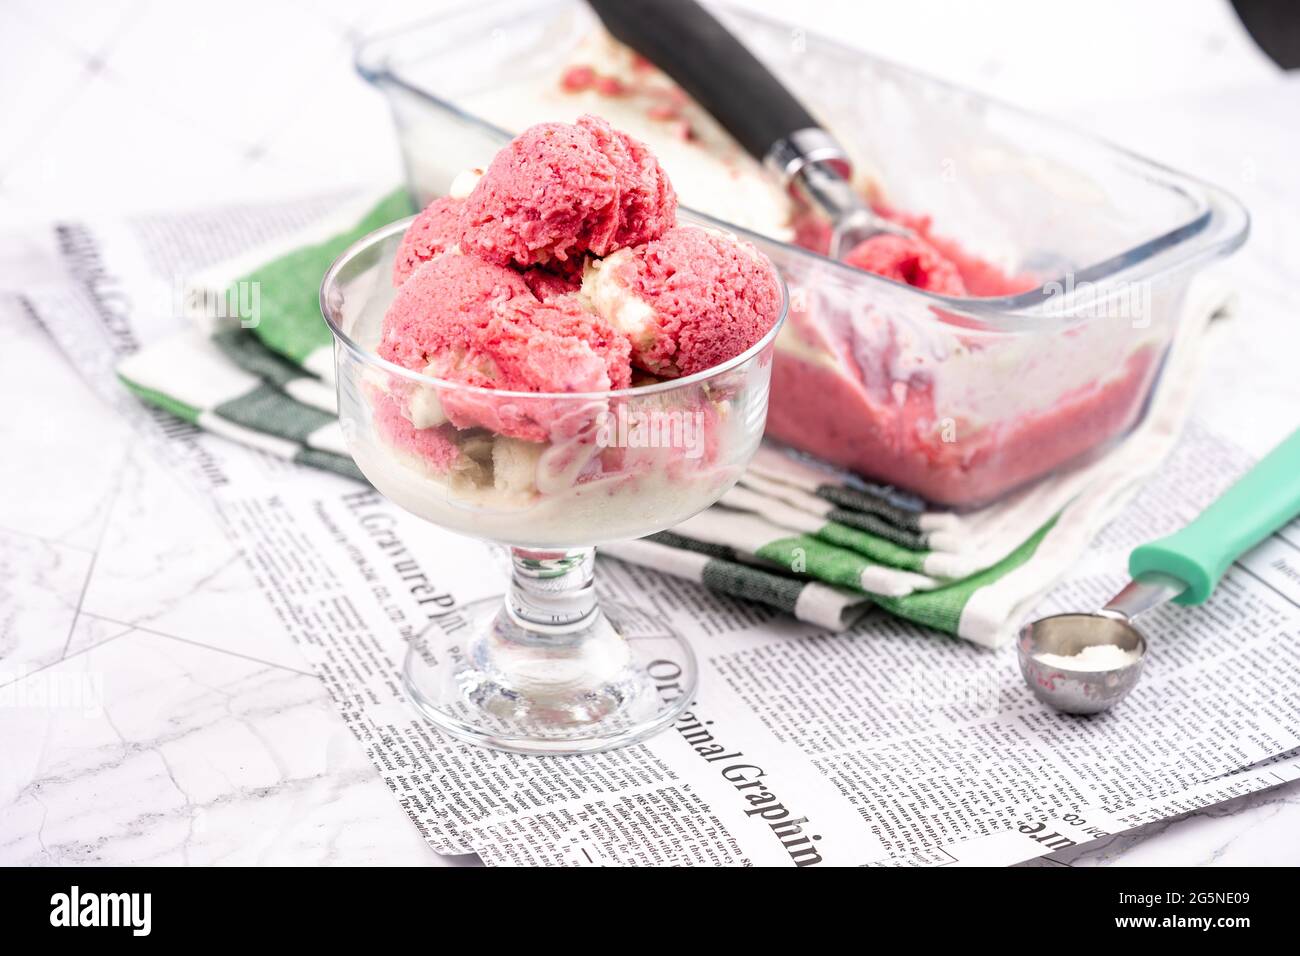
pixel 686 42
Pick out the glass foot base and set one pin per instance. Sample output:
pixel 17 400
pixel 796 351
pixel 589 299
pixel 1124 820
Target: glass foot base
pixel 618 679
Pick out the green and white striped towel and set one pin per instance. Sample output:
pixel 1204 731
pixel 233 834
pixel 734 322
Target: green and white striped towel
pixel 287 275
pixel 795 534
pixel 723 570
pixel 264 379
pixel 231 391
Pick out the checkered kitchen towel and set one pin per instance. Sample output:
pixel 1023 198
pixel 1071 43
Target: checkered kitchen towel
pixel 795 534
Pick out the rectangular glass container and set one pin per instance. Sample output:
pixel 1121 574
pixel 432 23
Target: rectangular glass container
pixel 959 400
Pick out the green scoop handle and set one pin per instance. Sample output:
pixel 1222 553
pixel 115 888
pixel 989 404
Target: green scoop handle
pixel 1262 500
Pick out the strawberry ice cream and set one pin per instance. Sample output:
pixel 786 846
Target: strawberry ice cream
pixel 434 231
pixel 911 261
pixel 978 277
pixel 928 400
pixel 560 190
pixel 441 303
pixel 514 352
pixel 898 432
pixel 688 301
pixel 530 346
pixel 647 202
pixel 928 260
pixel 464 320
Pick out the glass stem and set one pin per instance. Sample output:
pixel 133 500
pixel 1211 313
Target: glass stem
pixel 552 593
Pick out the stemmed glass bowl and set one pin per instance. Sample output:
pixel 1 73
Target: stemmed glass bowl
pixel 549 669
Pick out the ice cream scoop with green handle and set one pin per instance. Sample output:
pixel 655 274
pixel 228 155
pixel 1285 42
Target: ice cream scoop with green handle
pixel 1183 567
pixel 1262 500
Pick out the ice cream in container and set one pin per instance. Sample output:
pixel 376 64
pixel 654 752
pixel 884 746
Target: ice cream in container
pixel 1075 254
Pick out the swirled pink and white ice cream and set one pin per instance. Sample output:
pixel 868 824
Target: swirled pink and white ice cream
pixel 687 301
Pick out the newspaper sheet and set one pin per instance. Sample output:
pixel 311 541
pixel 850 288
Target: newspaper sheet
pixel 888 745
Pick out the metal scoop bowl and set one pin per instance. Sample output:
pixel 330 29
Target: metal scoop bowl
pixel 1078 691
pixel 1183 567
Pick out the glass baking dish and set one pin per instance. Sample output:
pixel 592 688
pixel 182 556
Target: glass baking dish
pixel 959 400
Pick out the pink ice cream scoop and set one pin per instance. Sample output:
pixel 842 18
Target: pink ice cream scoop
pixel 464 320
pixel 437 229
pixel 647 201
pixel 560 190
pixel 431 233
pixel 439 304
pixel 688 300
pixel 529 346
pixel 909 260
pixel 979 277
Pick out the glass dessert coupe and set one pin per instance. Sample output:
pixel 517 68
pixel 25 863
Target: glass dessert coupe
pixel 550 669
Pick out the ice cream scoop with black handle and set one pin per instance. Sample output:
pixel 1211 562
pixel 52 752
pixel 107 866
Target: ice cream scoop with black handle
pixel 709 63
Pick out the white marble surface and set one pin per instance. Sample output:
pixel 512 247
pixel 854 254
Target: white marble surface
pixel 186 728
pixel 153 711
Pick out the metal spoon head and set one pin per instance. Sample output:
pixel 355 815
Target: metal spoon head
pixel 1079 691
pixel 860 225
pixel 823 186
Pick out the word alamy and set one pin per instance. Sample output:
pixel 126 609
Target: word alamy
pixel 75 908
pixel 652 428
pixel 1125 300
pixel 242 300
